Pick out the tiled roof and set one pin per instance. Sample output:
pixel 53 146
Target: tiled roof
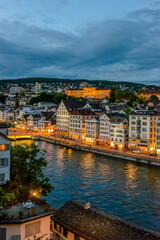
pixel 82 112
pixel 93 224
pixel 116 117
pixel 71 104
pixel 145 112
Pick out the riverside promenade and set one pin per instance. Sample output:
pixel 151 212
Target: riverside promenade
pixel 99 149
pixel 103 150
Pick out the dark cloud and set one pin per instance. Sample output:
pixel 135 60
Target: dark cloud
pixel 127 49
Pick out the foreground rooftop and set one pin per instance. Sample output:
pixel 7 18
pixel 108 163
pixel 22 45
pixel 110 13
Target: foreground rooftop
pixel 13 214
pixel 94 224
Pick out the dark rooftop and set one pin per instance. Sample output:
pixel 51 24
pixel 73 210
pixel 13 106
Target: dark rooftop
pixel 71 104
pixel 83 111
pixel 116 117
pixel 3 125
pixel 94 224
pixel 145 112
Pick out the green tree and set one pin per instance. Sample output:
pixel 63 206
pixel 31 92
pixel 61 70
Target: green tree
pixel 6 198
pixel 2 98
pixel 154 98
pixel 128 111
pixel 27 169
pixel 112 98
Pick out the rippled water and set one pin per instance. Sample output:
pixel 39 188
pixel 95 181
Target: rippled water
pixel 121 188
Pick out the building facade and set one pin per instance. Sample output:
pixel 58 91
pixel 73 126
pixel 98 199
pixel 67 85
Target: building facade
pixel 104 128
pixel 63 116
pixel 89 93
pixel 118 131
pixel 4 154
pixel 92 130
pixel 142 131
pixel 157 140
pixel 78 121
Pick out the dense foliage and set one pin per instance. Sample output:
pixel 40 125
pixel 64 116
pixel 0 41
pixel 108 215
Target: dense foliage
pixel 27 171
pixel 117 95
pixel 52 97
pixel 2 98
pixel 6 198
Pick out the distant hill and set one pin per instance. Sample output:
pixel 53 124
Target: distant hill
pixel 97 83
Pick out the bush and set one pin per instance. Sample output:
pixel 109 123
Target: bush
pixel 7 198
pixel 12 216
pixel 46 208
pixel 21 214
pixel 4 215
pixel 33 210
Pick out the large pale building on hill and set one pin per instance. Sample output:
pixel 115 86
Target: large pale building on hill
pixel 89 93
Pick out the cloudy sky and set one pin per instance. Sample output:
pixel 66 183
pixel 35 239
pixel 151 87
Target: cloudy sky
pixel 93 39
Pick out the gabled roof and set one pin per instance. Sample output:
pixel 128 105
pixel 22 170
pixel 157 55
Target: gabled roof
pixel 3 125
pixel 94 105
pixel 71 104
pixel 116 117
pixel 4 136
pixel 94 224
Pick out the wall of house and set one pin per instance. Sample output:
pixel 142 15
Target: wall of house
pixel 57 235
pixel 5 155
pixel 20 229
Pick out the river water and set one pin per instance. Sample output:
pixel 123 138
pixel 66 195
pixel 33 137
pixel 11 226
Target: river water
pixel 121 188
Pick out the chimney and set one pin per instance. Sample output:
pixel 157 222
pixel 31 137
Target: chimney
pixel 87 205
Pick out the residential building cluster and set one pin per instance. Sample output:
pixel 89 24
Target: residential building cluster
pixel 92 123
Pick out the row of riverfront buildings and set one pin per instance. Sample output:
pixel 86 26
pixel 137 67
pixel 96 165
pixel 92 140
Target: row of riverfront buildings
pixel 91 123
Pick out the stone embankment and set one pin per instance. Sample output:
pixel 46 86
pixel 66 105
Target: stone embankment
pixel 107 152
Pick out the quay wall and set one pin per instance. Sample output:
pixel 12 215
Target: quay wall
pixel 112 155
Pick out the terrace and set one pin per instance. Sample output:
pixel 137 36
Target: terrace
pixel 20 214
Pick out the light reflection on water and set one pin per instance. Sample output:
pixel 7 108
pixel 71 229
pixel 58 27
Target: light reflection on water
pixel 124 189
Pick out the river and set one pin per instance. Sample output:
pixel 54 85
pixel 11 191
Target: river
pixel 121 188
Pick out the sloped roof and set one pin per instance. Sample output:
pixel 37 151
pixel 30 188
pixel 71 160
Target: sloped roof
pixel 3 125
pixel 71 104
pixel 83 111
pixel 116 117
pixel 95 105
pixel 4 136
pixel 93 224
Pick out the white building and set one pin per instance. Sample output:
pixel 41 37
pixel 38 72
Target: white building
pixel 104 125
pixel 114 130
pixel 118 131
pixel 27 228
pixel 14 90
pixel 92 130
pixel 157 140
pixel 142 130
pixel 4 154
pixel 77 123
pixel 38 86
pixel 63 115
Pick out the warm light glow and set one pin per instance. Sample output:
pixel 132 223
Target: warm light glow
pixel 90 140
pixel 158 151
pixel 112 144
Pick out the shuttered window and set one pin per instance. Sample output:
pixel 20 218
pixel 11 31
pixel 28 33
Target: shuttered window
pixel 32 229
pixel 3 233
pixel 3 162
